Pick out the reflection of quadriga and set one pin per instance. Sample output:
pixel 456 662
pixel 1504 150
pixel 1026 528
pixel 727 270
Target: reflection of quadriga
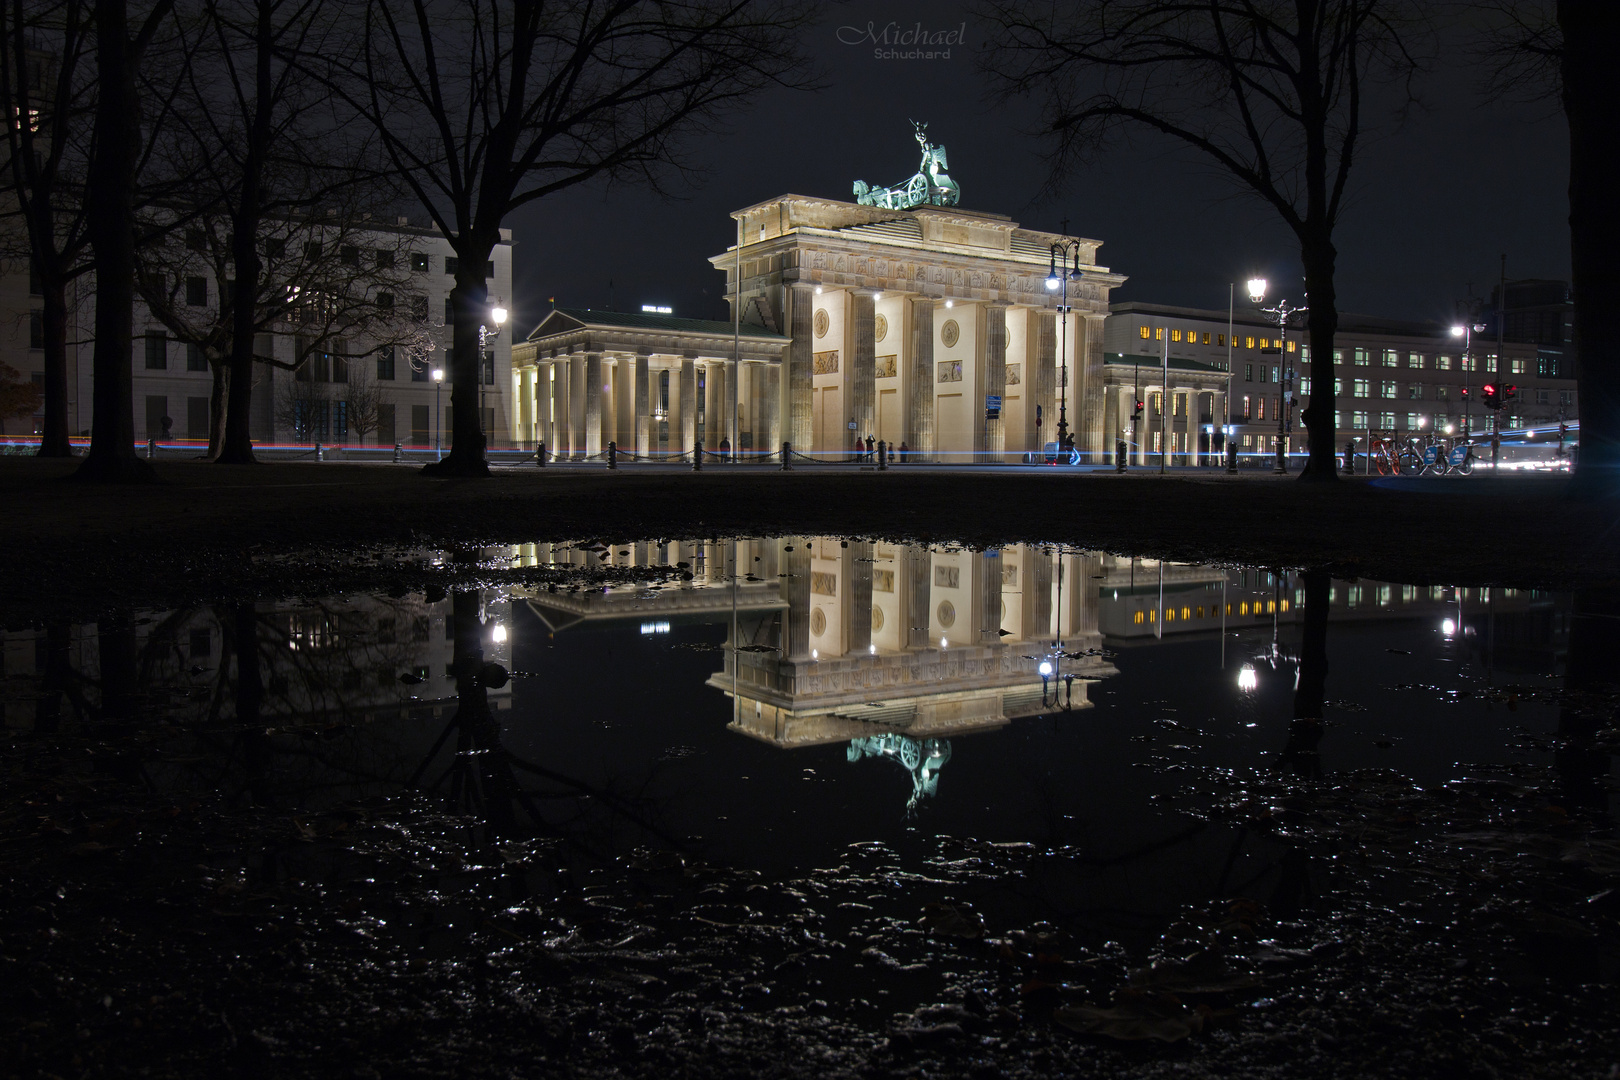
pixel 929 187
pixel 922 758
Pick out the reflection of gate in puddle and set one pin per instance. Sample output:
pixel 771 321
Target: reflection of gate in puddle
pixel 922 758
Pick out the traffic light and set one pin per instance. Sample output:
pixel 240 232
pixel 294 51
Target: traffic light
pixel 1509 392
pixel 1465 393
pixel 1138 413
pixel 1492 401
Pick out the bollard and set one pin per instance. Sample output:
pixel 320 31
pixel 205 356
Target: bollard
pixel 151 448
pixel 697 455
pixel 882 455
pixel 1120 451
pixel 1231 456
pixel 1350 457
pixel 320 455
pixel 540 456
pixel 613 454
pixel 787 457
pixel 399 453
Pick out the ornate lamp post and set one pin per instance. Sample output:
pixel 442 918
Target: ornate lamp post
pixel 1466 331
pixel 438 415
pixel 1285 374
pixel 1057 280
pixel 497 315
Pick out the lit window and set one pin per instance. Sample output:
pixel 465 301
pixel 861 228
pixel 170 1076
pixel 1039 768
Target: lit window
pixel 1305 385
pixel 1153 616
pixel 1391 358
pixel 1206 337
pixel 1291 345
pixel 1220 339
pixel 1362 388
pixel 1186 613
pixel 1442 363
pixel 1285 606
pixel 1175 335
pixel 1361 357
pixel 1170 615
pixel 1158 333
pixel 1142 332
pixel 1243 608
pixel 1200 611
pixel 1139 619
pixel 1262 415
pixel 1248 343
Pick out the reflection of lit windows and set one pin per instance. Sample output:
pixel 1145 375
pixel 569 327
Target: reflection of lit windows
pixel 1285 605
pixel 1139 619
pixel 655 628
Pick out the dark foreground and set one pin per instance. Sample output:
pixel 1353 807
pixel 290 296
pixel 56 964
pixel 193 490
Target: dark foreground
pixel 223 532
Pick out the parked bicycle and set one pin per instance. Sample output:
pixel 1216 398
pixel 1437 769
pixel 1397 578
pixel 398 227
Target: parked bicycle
pixel 1436 457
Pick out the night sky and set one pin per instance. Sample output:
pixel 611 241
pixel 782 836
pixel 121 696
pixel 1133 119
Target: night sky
pixel 1434 201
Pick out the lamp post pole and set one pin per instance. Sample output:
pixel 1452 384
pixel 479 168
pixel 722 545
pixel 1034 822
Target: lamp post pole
pixel 1058 281
pixel 498 314
pixel 1285 377
pixel 438 415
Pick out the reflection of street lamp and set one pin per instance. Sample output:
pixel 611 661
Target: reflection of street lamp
pixel 1248 679
pixel 1058 279
pixel 1285 374
pixel 438 415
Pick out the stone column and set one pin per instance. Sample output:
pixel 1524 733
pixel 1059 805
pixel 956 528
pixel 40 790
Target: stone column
pixel 576 406
pixel 992 444
pixel 1037 586
pixel 916 569
pixel 643 407
pixel 862 373
pixel 1111 431
pixel 1088 388
pixel 857 572
pixel 593 403
pixel 542 402
pixel 988 567
pixel 1044 392
pixel 688 406
pixel 801 365
pixel 795 568
pixel 773 407
pixel 920 414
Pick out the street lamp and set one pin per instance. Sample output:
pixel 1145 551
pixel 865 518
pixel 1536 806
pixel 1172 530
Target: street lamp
pixel 438 414
pixel 1257 293
pixel 1057 280
pixel 497 315
pixel 1466 331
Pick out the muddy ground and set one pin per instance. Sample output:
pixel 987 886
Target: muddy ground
pixel 207 532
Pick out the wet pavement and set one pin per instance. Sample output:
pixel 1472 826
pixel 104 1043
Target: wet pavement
pixel 810 805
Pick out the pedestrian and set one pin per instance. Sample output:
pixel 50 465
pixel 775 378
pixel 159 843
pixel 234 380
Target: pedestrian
pixel 725 449
pixel 905 451
pixel 168 427
pixel 855 456
pixel 871 444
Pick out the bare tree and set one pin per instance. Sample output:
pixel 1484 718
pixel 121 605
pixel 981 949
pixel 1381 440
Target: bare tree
pixel 364 397
pixel 486 105
pixel 303 406
pixel 1275 94
pixel 18 396
pixel 110 217
pixel 1591 97
pixel 44 83
pixel 328 282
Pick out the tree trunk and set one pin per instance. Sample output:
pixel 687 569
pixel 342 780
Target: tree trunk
pixel 55 442
pixel 469 302
pixel 216 406
pixel 111 218
pixel 1319 256
pixel 246 219
pixel 1592 105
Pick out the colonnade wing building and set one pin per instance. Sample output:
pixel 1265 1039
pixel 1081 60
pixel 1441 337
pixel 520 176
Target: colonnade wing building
pixel 908 325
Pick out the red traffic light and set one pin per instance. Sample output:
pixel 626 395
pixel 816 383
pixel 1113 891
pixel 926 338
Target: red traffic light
pixel 1489 389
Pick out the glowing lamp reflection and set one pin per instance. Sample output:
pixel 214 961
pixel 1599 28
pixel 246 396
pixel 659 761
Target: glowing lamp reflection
pixel 1046 669
pixel 1448 627
pixel 499 632
pixel 1248 678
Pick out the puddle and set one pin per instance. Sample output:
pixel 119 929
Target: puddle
pixel 899 800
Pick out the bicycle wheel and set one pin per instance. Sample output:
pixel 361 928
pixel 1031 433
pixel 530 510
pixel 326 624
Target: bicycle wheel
pixel 1410 464
pixel 1467 466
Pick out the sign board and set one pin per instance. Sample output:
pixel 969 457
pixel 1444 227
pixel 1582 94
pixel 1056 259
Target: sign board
pixel 992 406
pixel 1270 352
pixel 852 425
pixel 1037 416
